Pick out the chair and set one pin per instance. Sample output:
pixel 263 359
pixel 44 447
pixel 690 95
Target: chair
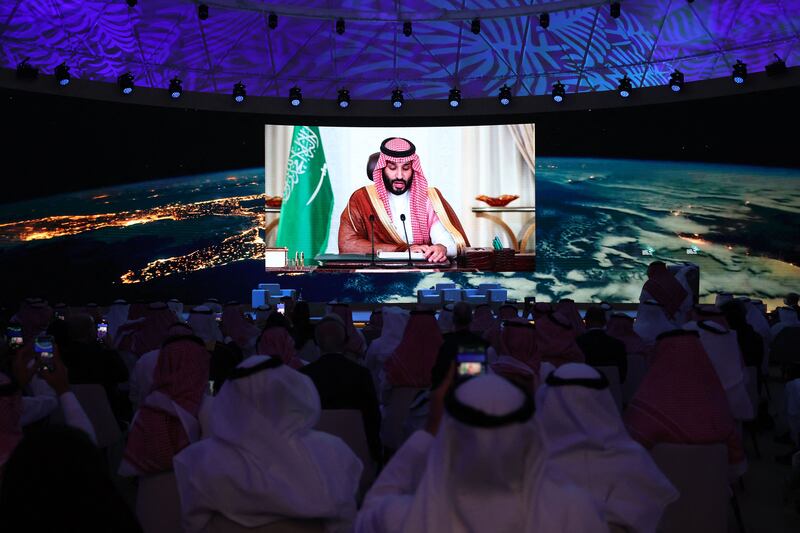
pixel 614 386
pixel 700 473
pixel 221 524
pixel 348 425
pixel 94 401
pixel 158 505
pixel 394 415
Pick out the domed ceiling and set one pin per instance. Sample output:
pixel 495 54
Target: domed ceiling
pixel 583 47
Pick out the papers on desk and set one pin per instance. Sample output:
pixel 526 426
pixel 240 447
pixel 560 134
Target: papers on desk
pixel 400 256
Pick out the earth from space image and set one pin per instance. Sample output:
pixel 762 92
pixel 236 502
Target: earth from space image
pixel 599 222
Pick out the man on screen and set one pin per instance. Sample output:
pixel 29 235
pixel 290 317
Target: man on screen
pixel 400 188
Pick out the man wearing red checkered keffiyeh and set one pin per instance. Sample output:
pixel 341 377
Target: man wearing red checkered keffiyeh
pixel 401 188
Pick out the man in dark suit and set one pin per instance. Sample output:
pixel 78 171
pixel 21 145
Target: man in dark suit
pixel 461 336
pixel 342 383
pixel 599 348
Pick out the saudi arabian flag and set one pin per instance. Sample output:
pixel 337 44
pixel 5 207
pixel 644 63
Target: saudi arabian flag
pixel 307 197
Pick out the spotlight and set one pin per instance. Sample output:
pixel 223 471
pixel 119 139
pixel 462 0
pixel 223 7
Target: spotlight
pixel 739 72
pixel 544 20
pixel 505 95
pixel 676 81
pixel 62 74
pixel 175 89
pixel 295 97
pixel 343 98
pixel 202 11
pixel 615 10
pixel 558 92
pixel 777 67
pixel 26 71
pixel 272 21
pixel 407 28
pixel 340 26
pixel 239 93
pixel 454 98
pixel 475 26
pixel 132 3
pixel 397 98
pixel 625 87
pixel 125 83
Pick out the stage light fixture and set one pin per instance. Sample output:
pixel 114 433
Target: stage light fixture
pixel 295 96
pixel 558 92
pixel 676 81
pixel 407 30
pixel 26 71
pixel 343 98
pixel 777 67
pixel 615 10
pixel 397 98
pixel 475 26
pixel 544 20
pixel 202 11
pixel 125 83
pixel 340 26
pixel 239 93
pixel 625 87
pixel 62 75
pixel 132 3
pixel 175 89
pixel 505 95
pixel 739 72
pixel 272 21
pixel 455 97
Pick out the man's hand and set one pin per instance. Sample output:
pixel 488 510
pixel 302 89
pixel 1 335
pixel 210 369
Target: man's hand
pixel 434 253
pixel 57 379
pixel 24 365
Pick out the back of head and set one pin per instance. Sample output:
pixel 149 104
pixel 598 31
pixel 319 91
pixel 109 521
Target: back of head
pixel 595 317
pixel 57 480
pixel 792 299
pixel 331 334
pixel 656 268
pixel 462 315
pixel 301 313
pixel 80 328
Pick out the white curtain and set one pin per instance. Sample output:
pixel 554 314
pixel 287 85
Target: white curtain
pixel 462 162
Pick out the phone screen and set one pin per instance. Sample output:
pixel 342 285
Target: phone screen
pixel 102 330
pixel 218 317
pixel 14 335
pixel 43 346
pixel 282 308
pixel 471 363
pixel 210 390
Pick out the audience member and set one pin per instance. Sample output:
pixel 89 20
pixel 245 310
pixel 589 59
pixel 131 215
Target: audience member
pixel 167 421
pixel 518 357
pixel 598 347
pixel 481 471
pixel 507 311
pixel 411 362
pixel 556 339
pixel 651 321
pixel 141 377
pixel 56 480
pixel 263 462
pixel 373 328
pixel 584 437
pixel 482 320
pixel 395 320
pixel 666 289
pixel 303 331
pixel 681 400
pixel 445 319
pixel 152 332
pixel 792 301
pixel 787 318
pixel 356 343
pixel 462 337
pixel 234 326
pixel 116 316
pixel 176 307
pixel 342 383
pixel 204 324
pixel 276 341
pixel 620 326
pixel 750 342
pixel 568 308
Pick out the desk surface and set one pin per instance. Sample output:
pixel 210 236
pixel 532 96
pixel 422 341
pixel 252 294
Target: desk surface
pixel 505 209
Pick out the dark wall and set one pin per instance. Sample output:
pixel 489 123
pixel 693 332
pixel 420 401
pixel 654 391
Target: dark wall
pixel 57 143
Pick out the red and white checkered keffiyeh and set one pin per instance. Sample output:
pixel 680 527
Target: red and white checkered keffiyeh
pixel 419 186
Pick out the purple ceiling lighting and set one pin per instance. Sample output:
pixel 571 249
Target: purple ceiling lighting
pixel 583 47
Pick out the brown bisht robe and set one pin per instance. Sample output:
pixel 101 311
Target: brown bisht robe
pixel 354 225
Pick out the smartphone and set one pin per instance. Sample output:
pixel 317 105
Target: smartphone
pixel 43 346
pixel 471 364
pixel 60 315
pixel 14 336
pixel 210 390
pixel 282 309
pixel 102 330
pixel 218 317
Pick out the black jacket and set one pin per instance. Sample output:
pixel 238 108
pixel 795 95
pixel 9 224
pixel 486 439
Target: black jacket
pixel 601 349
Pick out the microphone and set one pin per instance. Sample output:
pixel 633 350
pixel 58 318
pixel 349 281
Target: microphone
pixel 372 226
pixel 403 220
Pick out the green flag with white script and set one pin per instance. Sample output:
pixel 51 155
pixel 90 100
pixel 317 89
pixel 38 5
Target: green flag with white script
pixel 307 197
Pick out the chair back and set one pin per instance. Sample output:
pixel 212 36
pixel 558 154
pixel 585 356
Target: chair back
pixel 158 505
pixel 614 386
pixel 700 473
pixel 785 347
pixel 394 415
pixel 348 425
pixel 221 524
pixel 94 402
